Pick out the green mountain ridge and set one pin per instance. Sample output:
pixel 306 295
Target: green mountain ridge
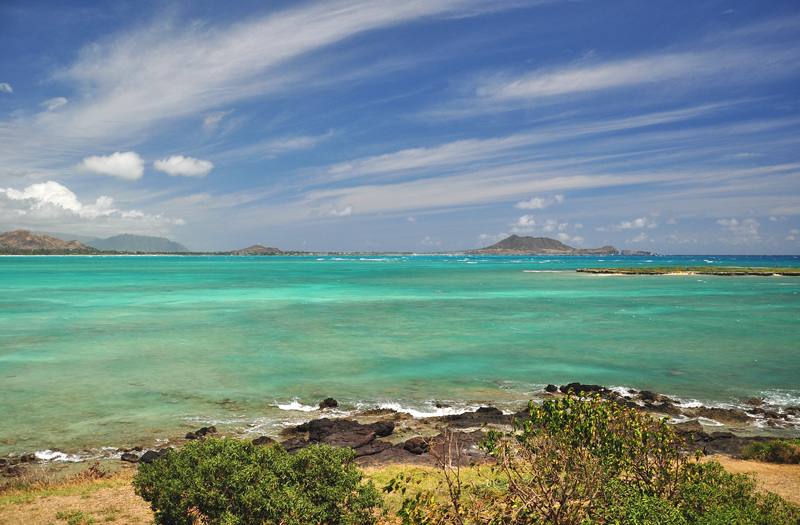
pixel 124 243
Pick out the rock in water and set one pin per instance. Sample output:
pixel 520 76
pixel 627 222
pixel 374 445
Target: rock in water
pixel 328 403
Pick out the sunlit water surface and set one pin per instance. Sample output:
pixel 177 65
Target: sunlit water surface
pixel 103 351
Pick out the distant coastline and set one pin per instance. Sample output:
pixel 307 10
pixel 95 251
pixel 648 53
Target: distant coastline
pixel 694 270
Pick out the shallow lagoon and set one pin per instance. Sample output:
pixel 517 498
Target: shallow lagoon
pixel 98 351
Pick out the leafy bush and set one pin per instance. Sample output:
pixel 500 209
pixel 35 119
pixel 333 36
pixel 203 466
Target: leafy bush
pixel 232 482
pixel 709 496
pixel 581 461
pixel 777 451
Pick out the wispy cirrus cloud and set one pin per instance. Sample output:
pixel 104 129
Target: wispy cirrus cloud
pixel 469 151
pixel 54 103
pixel 721 62
pixel 168 70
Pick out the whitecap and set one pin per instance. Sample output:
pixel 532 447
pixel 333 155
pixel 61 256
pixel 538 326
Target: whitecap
pixel 430 411
pixel 297 406
pixel 54 455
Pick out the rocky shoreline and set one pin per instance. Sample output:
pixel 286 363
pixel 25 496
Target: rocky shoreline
pixel 384 436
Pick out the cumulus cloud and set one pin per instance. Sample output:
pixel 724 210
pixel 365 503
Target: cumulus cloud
pixel 178 165
pixel 52 193
pixel 549 225
pixel 539 203
pixel 430 241
pixel 790 238
pixel 794 232
pixel 54 103
pixel 778 219
pixel 5 88
pixel 341 213
pixel 485 239
pixel 672 221
pixel 563 237
pixel 49 205
pixel 577 240
pixel 641 222
pixel 128 165
pixel 524 224
pixel 743 228
pixel 411 219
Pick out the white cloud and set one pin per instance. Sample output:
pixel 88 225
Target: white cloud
pixel 778 219
pixel 212 120
pixel 577 240
pixel 549 225
pixel 697 67
pixel 295 143
pixel 539 203
pixel 54 103
pixel 5 88
pixel 563 237
pixel 795 232
pixel 51 206
pixel 578 225
pixel 672 221
pixel 524 224
pixel 639 238
pixel 642 222
pixel 526 220
pixel 430 241
pixel 745 227
pixel 167 71
pixel 485 239
pixel 411 219
pixel 128 165
pixel 186 166
pixel 790 238
pixel 341 213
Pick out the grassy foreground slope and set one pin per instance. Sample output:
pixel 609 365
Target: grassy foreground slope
pixel 574 460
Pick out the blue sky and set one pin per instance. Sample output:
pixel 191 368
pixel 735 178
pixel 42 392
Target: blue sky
pixel 671 127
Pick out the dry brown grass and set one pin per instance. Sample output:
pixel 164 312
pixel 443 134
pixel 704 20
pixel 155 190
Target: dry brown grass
pixel 783 480
pixel 113 501
pixel 79 501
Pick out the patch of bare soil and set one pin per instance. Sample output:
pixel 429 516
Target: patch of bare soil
pixel 783 480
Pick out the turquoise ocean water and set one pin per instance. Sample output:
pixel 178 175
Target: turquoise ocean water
pixel 103 351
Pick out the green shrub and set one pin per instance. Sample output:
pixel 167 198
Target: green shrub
pixel 583 461
pixel 709 495
pixel 232 482
pixel 777 451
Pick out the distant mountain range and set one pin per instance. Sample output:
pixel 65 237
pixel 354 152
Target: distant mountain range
pixel 125 243
pixel 25 241
pixel 516 245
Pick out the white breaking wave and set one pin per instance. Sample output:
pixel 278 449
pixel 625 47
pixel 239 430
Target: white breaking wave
pixel 297 406
pixel 53 455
